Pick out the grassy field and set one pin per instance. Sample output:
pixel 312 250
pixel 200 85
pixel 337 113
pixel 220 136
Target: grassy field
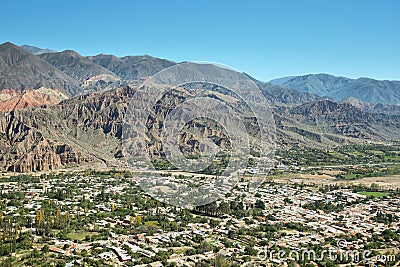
pixel 79 235
pixel 373 194
pixel 152 223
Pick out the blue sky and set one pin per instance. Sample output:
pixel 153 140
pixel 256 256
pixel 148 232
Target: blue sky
pixel 267 39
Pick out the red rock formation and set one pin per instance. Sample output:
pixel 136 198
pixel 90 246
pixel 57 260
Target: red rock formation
pixel 12 100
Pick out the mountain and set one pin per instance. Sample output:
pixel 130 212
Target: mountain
pixel 282 80
pixel 12 100
pixel 105 72
pixel 63 109
pixel 84 129
pixel 338 88
pixel 279 95
pixel 132 67
pixel 282 95
pixel 87 129
pixel 387 109
pixel 37 50
pixel 22 71
pixel 327 123
pixel 75 65
pixel 60 75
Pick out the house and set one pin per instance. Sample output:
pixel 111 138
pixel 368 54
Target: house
pixel 122 255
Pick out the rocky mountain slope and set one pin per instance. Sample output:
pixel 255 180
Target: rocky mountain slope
pixel 76 131
pixel 21 71
pixel 282 95
pixel 87 129
pixel 339 88
pixel 13 100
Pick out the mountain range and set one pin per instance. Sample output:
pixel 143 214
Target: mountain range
pixel 30 68
pixel 340 88
pixel 22 71
pixel 63 109
pixel 28 79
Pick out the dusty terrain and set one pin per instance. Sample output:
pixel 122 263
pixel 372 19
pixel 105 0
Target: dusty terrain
pixel 324 179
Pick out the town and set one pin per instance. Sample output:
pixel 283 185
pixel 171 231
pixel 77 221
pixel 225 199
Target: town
pixel 98 218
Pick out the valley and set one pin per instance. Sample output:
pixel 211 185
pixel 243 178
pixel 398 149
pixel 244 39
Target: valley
pixel 68 198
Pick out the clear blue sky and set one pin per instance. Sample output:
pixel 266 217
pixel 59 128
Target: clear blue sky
pixel 267 39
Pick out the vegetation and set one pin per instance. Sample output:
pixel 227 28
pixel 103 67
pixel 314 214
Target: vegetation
pixel 342 155
pixel 373 194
